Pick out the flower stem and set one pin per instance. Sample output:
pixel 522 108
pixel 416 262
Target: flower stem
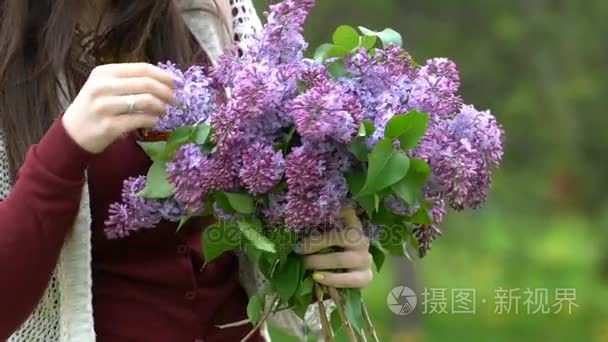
pixel 326 327
pixel 275 303
pixel 371 330
pixel 333 293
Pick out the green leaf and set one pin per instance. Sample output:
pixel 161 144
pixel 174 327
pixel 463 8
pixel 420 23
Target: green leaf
pixel 306 287
pixel 255 309
pixel 266 262
pixel 154 150
pixel 218 239
pixel 321 52
pixel 336 69
pixel 386 217
pixel 157 185
pixel 346 37
pixel 355 184
pixel 359 148
pixel 408 128
pixel 393 239
pixel 353 308
pixel 180 136
pixel 376 202
pixel 409 189
pixel 378 254
pixel 222 201
pixel 368 42
pixel 286 279
pixel 336 52
pixel 367 129
pixel 202 134
pixel 338 327
pixel 301 304
pixel 303 296
pixel 241 203
pixel 387 166
pixel 422 216
pixel 387 36
pixel 251 231
pixel 284 242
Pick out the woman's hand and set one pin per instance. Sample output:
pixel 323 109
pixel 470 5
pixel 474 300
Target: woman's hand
pixel 354 260
pixel 117 99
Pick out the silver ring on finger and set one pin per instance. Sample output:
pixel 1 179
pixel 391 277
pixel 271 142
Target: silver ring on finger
pixel 131 104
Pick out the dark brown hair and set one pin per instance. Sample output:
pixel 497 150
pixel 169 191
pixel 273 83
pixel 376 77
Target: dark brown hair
pixel 36 37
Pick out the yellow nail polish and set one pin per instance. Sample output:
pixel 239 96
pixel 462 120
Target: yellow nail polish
pixel 318 276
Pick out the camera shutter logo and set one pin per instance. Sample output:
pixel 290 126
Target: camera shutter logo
pixel 401 300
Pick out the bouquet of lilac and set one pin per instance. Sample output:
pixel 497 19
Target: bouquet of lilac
pixel 296 140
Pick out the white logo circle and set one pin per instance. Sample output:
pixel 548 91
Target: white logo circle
pixel 401 300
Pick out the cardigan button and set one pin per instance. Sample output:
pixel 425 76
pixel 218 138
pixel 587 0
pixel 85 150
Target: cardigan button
pixel 190 295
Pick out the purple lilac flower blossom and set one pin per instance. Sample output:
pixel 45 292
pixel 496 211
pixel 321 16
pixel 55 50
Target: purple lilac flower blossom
pixel 462 151
pixel 275 211
pixel 317 188
pixel 434 90
pixel 382 83
pixel 425 235
pixel 262 168
pixel 195 95
pixel 135 213
pixel 187 173
pixel 282 40
pixel 326 111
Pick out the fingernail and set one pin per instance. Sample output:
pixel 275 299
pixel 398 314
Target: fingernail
pixel 318 276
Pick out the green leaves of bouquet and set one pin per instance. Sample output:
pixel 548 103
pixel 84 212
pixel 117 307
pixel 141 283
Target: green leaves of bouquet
pixel 346 40
pixel 390 171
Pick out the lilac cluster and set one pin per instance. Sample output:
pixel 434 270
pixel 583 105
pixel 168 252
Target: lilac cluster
pixel 195 95
pixel 462 151
pixel 317 187
pixel 382 82
pixel 387 83
pixel 261 82
pixel 462 145
pixel 282 41
pixel 135 213
pixel 434 90
pixel 280 44
pixel 263 168
pixel 326 111
pixel 187 174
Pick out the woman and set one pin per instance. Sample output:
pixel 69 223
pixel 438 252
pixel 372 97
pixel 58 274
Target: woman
pixel 62 279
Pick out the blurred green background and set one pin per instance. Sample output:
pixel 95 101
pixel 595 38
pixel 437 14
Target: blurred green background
pixel 540 65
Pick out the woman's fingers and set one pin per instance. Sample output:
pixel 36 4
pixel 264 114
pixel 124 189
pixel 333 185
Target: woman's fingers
pixel 126 123
pixel 354 279
pixel 143 85
pixel 141 103
pixel 350 218
pixel 131 70
pixel 339 260
pixel 347 238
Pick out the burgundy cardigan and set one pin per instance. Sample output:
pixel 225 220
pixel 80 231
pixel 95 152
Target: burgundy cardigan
pixel 148 287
